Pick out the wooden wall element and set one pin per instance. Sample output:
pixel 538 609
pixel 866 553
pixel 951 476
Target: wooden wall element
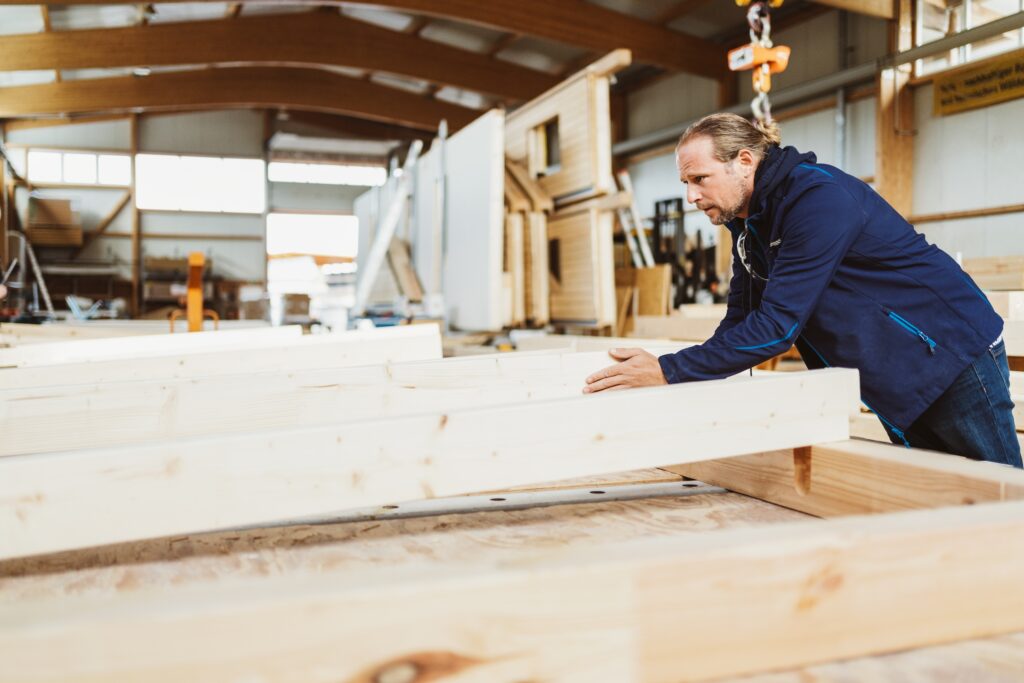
pixel 515 265
pixel 582 281
pixel 538 287
pixel 894 127
pixel 122 348
pixel 580 106
pixel 339 349
pixel 859 477
pixel 92 497
pixel 794 593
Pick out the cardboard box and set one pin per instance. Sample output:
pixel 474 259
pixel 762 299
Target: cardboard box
pixel 53 223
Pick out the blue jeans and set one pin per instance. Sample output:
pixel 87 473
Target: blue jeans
pixel 974 417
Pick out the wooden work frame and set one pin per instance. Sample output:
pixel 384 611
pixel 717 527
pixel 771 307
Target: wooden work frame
pixel 663 609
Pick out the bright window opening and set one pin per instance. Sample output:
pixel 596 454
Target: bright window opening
pixel 75 168
pixel 188 183
pixel 941 18
pixel 326 174
pixel 312 234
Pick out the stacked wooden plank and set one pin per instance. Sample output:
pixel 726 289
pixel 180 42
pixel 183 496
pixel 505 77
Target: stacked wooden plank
pixel 607 598
pixel 998 273
pixel 1009 304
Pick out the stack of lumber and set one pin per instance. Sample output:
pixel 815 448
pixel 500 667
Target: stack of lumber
pixel 177 543
pixel 691 322
pixel 561 201
pixel 998 272
pixel 641 291
pixel 19 334
pixel 1009 304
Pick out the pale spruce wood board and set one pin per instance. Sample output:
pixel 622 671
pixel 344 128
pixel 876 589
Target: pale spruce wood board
pixel 339 349
pixel 148 411
pixel 165 563
pixel 582 343
pixel 76 499
pixel 860 477
pixel 147 346
pixel 657 609
pixel 675 327
pixel 1008 304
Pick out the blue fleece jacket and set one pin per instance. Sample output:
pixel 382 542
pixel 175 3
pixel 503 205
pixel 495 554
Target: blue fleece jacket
pixel 852 284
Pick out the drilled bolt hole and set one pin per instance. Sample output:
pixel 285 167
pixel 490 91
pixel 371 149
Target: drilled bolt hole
pixel 597 492
pixel 691 484
pixel 390 507
pixel 497 500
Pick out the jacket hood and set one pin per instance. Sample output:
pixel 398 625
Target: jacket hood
pixel 772 171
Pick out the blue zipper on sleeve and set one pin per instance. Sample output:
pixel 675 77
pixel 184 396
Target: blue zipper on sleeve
pixel 895 430
pixel 910 327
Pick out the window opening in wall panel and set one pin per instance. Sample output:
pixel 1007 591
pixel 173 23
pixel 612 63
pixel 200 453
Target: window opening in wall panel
pixel 545 155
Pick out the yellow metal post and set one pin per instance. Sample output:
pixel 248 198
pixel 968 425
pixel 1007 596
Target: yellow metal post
pixel 194 301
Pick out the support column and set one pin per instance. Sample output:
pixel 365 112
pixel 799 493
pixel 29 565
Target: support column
pixel 894 123
pixel 136 226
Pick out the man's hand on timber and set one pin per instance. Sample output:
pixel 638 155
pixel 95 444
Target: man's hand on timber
pixel 636 369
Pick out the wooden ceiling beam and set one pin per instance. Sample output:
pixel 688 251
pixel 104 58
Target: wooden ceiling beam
pixel 309 39
pixel 256 87
pixel 575 22
pixel 679 9
pixel 882 9
pixel 306 122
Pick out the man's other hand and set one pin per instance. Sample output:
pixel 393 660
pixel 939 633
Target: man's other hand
pixel 636 369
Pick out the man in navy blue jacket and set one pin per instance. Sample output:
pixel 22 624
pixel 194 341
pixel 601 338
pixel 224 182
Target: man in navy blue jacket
pixel 822 261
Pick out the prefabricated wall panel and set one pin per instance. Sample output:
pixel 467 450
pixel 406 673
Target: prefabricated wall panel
pixel 475 219
pixel 582 281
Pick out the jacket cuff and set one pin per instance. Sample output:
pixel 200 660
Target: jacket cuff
pixel 668 368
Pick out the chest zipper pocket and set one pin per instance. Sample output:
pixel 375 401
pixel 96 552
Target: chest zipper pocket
pixel 912 329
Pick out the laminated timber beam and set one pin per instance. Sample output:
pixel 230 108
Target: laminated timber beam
pixel 97 414
pixel 77 499
pixel 575 22
pixel 317 124
pixel 262 87
pixel 306 39
pixel 122 348
pixel 882 9
pixel 858 477
pixel 340 349
pixel 693 608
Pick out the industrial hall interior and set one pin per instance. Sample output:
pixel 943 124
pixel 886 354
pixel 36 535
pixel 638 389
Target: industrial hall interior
pixel 512 341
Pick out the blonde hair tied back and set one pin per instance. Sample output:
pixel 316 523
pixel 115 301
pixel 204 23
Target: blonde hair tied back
pixel 731 133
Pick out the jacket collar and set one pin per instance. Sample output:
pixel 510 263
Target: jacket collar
pixel 771 172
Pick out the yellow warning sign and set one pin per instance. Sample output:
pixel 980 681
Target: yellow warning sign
pixel 994 80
